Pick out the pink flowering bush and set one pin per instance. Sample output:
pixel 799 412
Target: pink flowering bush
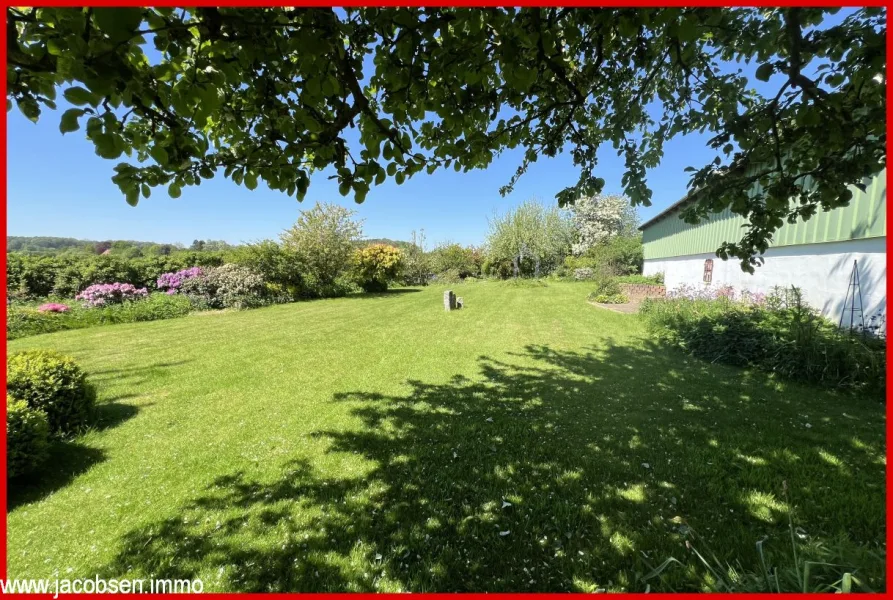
pixel 53 307
pixel 104 294
pixel 170 282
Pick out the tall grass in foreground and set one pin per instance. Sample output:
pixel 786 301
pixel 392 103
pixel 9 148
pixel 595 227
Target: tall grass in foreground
pixel 809 567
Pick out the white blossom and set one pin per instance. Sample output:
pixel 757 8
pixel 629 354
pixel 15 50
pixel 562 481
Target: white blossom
pixel 598 218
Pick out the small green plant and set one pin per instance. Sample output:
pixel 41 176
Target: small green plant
pixel 609 298
pixel 27 437
pixel 583 273
pixel 525 282
pixel 607 291
pixel 53 383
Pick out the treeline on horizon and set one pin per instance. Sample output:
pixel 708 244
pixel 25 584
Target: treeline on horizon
pixel 131 248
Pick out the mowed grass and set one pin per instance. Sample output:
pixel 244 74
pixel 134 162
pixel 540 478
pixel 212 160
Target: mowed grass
pixel 528 442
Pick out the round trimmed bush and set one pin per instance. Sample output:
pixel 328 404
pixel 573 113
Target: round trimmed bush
pixel 53 383
pixel 27 437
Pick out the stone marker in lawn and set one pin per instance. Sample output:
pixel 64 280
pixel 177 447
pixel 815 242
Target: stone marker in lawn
pixel 449 300
pixel 460 303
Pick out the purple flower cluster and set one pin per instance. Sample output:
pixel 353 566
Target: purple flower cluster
pixel 727 292
pixel 52 307
pixel 171 282
pixel 103 294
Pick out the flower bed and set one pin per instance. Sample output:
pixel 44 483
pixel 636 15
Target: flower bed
pixel 777 332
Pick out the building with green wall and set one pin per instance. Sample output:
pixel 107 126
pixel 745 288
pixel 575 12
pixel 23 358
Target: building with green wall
pixel 817 255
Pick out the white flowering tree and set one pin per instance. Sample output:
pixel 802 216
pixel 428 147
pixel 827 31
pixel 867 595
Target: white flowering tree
pixel 598 218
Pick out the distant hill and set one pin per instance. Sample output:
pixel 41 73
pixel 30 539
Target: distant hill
pixel 53 245
pixel 39 244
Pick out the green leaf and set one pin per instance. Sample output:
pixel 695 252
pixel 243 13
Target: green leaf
pixel 70 120
pixel 132 197
pixel 687 30
pixel 174 190
pixel 159 154
pixel 55 48
pixel 764 72
pixel 146 190
pixel 107 145
pixel 251 181
pixel 80 96
pixel 118 23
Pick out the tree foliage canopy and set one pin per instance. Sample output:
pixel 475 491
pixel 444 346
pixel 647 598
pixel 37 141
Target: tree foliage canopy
pixel 322 241
pixel 533 231
pixel 275 94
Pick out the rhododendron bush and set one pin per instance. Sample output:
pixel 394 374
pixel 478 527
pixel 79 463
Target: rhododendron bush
pixel 103 294
pixel 229 286
pixel 170 282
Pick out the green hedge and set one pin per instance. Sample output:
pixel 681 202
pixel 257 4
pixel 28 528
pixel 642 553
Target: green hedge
pixel 64 275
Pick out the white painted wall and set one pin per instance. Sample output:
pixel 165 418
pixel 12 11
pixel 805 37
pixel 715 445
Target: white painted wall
pixel 821 271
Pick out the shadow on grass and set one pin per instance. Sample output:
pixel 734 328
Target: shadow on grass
pixel 558 471
pixel 111 414
pixel 386 294
pixel 134 375
pixel 66 461
pixel 69 458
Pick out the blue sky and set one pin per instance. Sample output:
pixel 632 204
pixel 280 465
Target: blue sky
pixel 58 186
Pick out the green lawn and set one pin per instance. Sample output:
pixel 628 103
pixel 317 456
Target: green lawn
pixel 528 442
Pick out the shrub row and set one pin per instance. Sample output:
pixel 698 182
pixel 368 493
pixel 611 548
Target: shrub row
pixel 778 333
pixel 47 395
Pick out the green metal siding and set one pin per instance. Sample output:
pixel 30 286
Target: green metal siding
pixel 865 217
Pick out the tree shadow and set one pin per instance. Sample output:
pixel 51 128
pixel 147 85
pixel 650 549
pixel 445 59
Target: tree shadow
pixel 134 375
pixel 550 471
pixel 66 461
pixel 385 294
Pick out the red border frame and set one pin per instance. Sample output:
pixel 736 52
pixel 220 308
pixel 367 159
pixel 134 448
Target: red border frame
pixel 468 3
